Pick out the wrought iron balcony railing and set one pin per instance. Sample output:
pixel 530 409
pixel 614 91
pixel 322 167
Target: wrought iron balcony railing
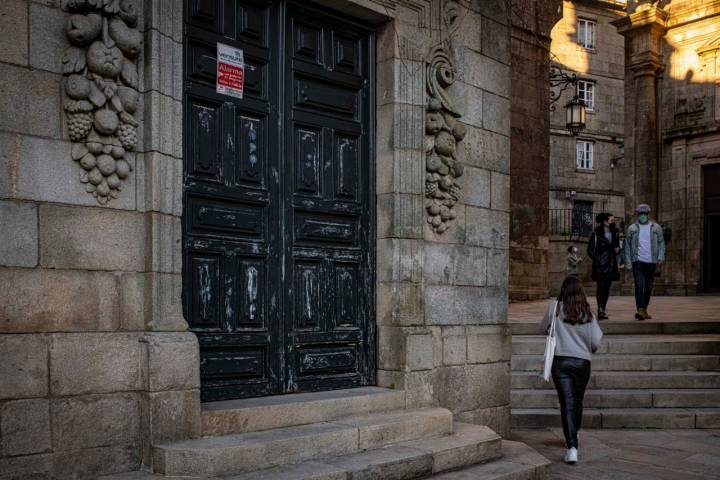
pixel 577 223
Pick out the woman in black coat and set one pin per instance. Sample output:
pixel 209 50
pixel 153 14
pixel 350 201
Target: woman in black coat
pixel 603 247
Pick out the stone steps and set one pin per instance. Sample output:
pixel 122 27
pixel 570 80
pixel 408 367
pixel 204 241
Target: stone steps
pixel 362 433
pixel 619 380
pixel 467 445
pixel 245 452
pixel 636 363
pixel 622 398
pixel 632 327
pixel 266 413
pixel 519 462
pixel 471 452
pixel 665 418
pixel 645 375
pixel 633 344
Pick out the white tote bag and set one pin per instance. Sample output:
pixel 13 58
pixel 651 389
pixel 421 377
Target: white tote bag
pixel 550 342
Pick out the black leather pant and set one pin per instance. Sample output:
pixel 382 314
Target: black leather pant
pixel 571 376
pixel 603 293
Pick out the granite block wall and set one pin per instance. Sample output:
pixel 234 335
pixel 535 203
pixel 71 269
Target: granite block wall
pixel 95 360
pixel 442 293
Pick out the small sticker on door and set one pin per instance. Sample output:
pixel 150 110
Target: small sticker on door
pixel 230 71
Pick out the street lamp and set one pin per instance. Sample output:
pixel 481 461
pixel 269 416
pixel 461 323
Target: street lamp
pixel 575 115
pixel 575 111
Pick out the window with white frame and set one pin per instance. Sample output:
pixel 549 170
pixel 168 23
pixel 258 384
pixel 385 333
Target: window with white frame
pixel 585 153
pixel 586 93
pixel 586 33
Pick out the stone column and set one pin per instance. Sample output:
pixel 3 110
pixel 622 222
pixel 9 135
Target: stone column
pixel 532 22
pixel 643 31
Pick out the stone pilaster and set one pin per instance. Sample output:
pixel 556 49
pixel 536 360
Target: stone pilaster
pixel 643 31
pixel 530 147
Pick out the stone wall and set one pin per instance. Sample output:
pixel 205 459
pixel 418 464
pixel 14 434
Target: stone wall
pixel 95 359
pixel 690 126
pixel 442 296
pixel 529 164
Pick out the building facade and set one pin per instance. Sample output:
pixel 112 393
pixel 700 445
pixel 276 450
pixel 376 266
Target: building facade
pixel 586 171
pixel 344 223
pixel 672 114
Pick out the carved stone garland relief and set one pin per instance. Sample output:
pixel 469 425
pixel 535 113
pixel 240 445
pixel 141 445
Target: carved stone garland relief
pixel 443 131
pixel 101 87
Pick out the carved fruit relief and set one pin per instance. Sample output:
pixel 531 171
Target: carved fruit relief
pixel 101 88
pixel 443 131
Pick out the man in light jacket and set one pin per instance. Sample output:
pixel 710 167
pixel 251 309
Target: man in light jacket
pixel 644 250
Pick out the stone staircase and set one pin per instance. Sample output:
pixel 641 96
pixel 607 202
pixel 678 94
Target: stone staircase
pixel 645 375
pixel 362 433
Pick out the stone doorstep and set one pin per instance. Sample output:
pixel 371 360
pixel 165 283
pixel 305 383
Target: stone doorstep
pixel 266 413
pixel 245 452
pixel 622 398
pixel 468 445
pixel 647 327
pixel 519 462
pixel 635 380
pixel 662 418
pixel 631 363
pixel 632 344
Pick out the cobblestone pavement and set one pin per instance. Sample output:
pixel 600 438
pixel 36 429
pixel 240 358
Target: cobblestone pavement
pixel 630 454
pixel 663 309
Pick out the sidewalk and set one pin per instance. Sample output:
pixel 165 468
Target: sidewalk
pixel 622 309
pixel 630 454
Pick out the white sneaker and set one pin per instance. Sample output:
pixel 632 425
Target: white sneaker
pixel 571 455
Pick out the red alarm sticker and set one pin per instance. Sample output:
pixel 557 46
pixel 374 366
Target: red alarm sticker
pixel 230 71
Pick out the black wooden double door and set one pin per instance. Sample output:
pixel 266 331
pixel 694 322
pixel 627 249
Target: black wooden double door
pixel 278 221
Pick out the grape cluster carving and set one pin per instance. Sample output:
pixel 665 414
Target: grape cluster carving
pixel 443 131
pixel 101 87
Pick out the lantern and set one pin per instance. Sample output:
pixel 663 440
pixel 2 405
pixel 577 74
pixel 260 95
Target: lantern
pixel 575 115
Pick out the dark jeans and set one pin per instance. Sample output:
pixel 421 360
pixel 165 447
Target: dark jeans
pixel 603 293
pixel 570 376
pixel 644 274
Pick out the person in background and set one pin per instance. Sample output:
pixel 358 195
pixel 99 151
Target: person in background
pixel 621 253
pixel 603 247
pixel 644 250
pixel 578 336
pixel 573 261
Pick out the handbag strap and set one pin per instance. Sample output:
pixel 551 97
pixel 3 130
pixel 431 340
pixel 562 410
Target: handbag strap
pixel 552 321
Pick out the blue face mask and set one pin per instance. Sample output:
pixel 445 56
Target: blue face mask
pixel 643 218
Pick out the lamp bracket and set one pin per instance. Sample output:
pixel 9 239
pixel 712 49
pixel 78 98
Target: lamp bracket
pixel 561 79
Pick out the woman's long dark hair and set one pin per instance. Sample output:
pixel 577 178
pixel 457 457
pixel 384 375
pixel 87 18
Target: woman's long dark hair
pixel 574 302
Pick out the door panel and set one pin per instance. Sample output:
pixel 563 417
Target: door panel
pixel 330 195
pixel 278 206
pixel 232 255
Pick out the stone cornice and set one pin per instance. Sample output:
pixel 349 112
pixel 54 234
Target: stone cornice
pixel 617 8
pixel 649 19
pixel 693 131
pixel 692 14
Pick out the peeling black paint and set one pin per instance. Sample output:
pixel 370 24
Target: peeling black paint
pixel 278 218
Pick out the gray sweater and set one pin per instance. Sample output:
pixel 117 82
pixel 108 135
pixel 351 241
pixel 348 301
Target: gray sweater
pixel 579 340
